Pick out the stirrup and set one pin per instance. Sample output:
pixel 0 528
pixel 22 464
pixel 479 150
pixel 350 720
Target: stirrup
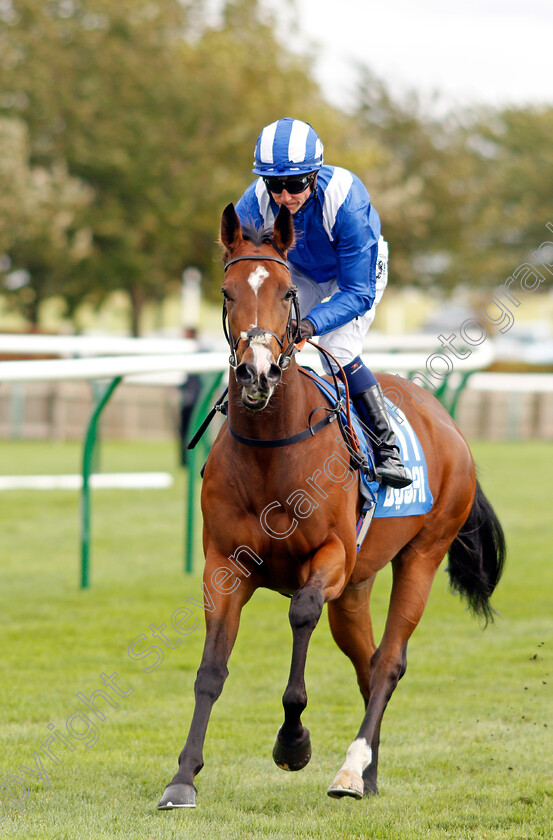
pixel 390 467
pixel 393 474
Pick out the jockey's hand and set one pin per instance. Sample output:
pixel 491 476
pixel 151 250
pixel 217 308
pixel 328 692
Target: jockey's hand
pixel 307 329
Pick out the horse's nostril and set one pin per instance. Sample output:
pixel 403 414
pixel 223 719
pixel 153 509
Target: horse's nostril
pixel 271 377
pixel 274 374
pixel 245 374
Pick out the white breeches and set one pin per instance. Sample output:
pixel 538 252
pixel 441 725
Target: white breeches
pixel 345 342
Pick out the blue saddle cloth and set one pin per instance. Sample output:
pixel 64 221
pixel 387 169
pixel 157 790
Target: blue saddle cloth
pixel 390 501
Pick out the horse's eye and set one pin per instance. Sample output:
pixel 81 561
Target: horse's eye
pixel 289 294
pixel 226 294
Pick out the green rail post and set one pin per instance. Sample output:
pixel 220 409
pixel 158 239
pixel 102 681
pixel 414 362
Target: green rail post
pixel 212 383
pixel 88 456
pixel 441 392
pixel 449 394
pixel 452 408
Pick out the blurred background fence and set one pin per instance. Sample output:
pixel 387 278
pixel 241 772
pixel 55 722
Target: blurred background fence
pixel 486 404
pixel 509 408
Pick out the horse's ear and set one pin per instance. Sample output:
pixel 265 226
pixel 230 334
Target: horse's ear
pixel 283 233
pixel 231 232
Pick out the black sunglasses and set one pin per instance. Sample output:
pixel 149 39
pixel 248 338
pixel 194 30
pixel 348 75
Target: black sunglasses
pixel 291 184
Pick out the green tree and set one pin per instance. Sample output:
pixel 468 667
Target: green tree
pixel 13 181
pixel 463 198
pixel 100 86
pixel 157 113
pixel 419 213
pixel 243 79
pixel 507 192
pixel 43 236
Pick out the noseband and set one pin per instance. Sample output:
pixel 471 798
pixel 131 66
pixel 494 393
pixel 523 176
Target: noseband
pixel 257 333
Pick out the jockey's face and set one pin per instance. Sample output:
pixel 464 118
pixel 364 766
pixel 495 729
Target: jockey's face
pixel 292 201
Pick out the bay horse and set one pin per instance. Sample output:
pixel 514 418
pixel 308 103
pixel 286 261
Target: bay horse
pixel 303 543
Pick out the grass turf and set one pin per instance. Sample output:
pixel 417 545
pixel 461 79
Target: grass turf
pixel 466 740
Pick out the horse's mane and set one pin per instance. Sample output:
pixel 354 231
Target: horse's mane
pixel 258 235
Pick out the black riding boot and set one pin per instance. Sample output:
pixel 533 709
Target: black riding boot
pixel 373 413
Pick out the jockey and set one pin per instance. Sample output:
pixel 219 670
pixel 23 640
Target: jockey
pixel 339 262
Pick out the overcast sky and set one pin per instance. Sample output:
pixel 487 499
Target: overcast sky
pixel 493 51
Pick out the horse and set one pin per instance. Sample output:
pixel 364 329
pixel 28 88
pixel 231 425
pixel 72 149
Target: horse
pixel 303 543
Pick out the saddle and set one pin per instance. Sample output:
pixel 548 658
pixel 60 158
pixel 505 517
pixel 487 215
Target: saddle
pixel 382 501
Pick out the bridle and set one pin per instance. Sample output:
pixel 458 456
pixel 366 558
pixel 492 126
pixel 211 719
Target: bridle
pixel 358 459
pixel 248 336
pixel 283 362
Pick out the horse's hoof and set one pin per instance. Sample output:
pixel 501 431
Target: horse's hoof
pixel 294 757
pixel 346 783
pixel 177 796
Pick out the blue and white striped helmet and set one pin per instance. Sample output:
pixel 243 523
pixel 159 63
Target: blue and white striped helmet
pixel 287 147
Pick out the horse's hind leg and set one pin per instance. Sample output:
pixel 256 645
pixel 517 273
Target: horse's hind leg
pixel 351 626
pixel 350 622
pixel 414 571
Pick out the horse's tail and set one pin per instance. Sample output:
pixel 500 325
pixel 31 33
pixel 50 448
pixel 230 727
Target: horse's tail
pixel 477 556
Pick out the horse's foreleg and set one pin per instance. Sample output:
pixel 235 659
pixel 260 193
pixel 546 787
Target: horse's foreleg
pixel 292 750
pixel 413 576
pixel 222 619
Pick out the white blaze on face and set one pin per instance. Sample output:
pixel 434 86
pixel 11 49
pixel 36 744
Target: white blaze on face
pixel 257 277
pixel 260 345
pixel 255 280
pixel 262 358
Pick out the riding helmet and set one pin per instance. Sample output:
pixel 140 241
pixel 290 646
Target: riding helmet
pixel 287 147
